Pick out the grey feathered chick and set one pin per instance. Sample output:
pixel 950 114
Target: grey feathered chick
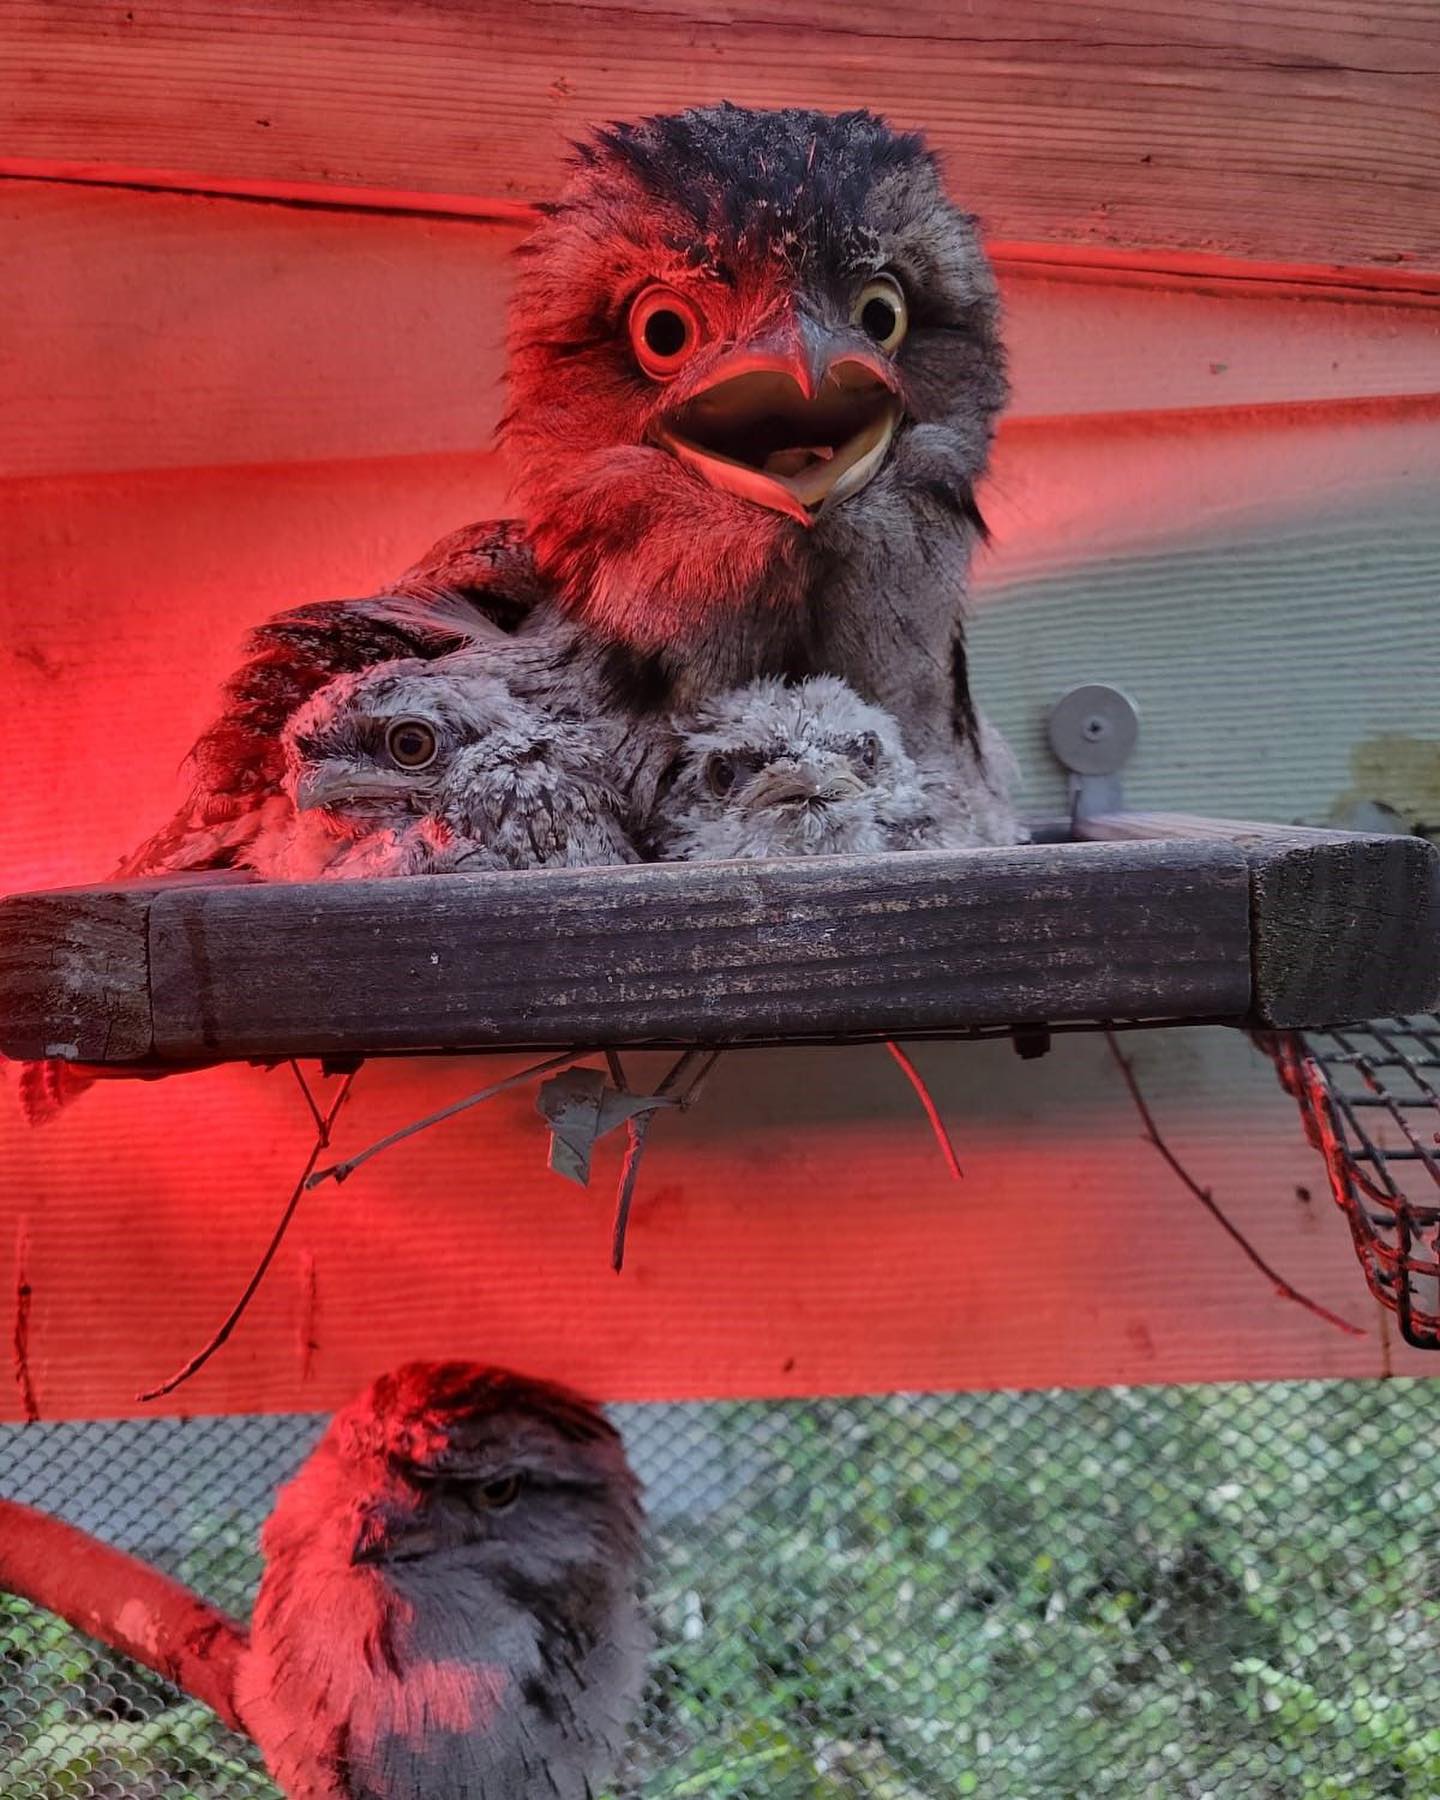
pixel 806 769
pixel 449 1604
pixel 432 767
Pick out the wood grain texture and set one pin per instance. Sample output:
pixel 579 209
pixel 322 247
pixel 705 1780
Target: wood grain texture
pixel 687 953
pixel 1346 926
pixel 174 331
pixel 1264 131
pixel 75 975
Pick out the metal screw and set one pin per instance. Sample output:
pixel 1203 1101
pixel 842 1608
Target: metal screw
pixel 1093 728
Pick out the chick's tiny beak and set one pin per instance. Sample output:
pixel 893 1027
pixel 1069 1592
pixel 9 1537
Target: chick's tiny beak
pixel 333 784
pixel 797 419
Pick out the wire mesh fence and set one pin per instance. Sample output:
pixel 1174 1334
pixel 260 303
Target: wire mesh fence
pixel 1226 1593
pixel 1370 1098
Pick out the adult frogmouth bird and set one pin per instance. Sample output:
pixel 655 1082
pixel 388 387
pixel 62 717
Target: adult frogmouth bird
pixel 754 374
pixel 449 1604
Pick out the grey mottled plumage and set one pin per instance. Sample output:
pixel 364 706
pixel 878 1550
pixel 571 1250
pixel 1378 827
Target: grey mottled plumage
pixel 835 313
pixel 800 769
pixel 449 1604
pixel 755 368
pixel 419 767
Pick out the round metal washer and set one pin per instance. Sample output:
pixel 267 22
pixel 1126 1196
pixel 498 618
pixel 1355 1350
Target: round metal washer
pixel 1093 729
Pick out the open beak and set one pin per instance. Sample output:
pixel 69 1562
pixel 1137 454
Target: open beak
pixel 789 429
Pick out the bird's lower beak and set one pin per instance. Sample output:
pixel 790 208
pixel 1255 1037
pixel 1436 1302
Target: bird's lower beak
pixel 792 429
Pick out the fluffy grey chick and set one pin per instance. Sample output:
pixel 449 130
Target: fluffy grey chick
pixel 422 768
pixel 808 769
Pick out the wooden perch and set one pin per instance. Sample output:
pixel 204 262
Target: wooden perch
pixel 1177 920
pixel 124 1604
pixel 1345 925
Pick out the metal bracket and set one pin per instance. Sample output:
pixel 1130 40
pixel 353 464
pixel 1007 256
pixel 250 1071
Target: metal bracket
pixel 1093 730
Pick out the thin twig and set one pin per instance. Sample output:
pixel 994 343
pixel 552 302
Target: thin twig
pixel 617 1071
pixel 324 1125
pixel 1207 1200
pixel 342 1171
pixel 637 1129
pixel 932 1111
pixel 692 1093
pixel 315 1113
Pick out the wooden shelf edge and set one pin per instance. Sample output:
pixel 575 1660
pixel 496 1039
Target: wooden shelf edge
pixel 1154 918
pixel 1345 924
pixel 818 948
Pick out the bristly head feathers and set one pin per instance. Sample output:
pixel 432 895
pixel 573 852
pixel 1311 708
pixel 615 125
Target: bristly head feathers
pixel 767 227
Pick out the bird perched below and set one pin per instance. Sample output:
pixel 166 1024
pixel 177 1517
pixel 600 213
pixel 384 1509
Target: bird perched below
pixel 449 1605
pixel 420 768
pixel 800 769
pixel 754 373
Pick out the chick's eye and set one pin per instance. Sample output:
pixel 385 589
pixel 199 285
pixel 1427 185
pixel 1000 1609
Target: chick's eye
pixel 665 332
pixel 880 311
pixel 496 1495
pixel 719 775
pixel 411 744
pixel 867 750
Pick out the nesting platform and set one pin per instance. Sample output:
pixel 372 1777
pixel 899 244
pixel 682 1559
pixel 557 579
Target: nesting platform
pixel 1157 919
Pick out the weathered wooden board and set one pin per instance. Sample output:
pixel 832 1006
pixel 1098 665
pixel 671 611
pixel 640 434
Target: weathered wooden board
pixel 1332 913
pixel 666 953
pixel 165 330
pixel 1257 131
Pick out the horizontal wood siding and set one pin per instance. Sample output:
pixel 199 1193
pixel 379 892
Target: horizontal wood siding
pixel 166 331
pixel 1269 131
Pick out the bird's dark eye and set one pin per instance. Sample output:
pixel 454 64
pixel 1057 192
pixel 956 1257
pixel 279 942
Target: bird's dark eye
pixel 496 1495
pixel 867 750
pixel 880 311
pixel 719 775
pixel 665 332
pixel 411 744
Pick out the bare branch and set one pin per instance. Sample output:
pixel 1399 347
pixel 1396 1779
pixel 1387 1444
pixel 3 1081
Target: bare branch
pixel 1207 1200
pixel 342 1171
pixel 637 1129
pixel 124 1603
pixel 324 1125
pixel 932 1111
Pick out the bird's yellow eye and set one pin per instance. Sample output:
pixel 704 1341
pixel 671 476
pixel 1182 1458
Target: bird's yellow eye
pixel 411 744
pixel 880 311
pixel 496 1495
pixel 665 332
pixel 719 775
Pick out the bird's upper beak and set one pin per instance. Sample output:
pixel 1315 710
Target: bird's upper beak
pixel 332 784
pixel 798 419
